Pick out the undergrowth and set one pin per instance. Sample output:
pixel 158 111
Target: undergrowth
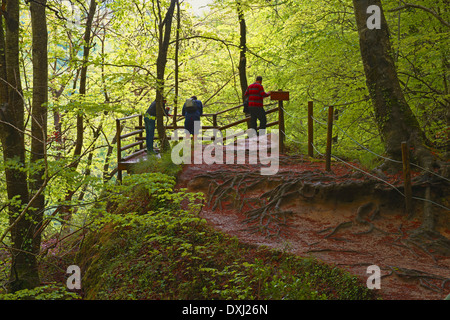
pixel 151 243
pixel 160 248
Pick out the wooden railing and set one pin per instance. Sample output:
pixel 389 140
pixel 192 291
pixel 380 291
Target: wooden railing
pixel 122 141
pixel 138 130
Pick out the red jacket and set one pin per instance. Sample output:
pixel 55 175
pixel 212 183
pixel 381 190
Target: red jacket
pixel 255 93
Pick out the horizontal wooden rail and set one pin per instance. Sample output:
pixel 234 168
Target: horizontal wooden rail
pixel 223 111
pixel 131 156
pixel 123 162
pixel 130 134
pixel 233 124
pixel 181 127
pixel 131 145
pixel 129 117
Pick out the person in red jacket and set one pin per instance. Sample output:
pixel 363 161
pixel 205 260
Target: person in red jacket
pixel 255 93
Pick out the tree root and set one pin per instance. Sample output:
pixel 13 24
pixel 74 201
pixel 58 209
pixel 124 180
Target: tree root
pixel 423 277
pixel 265 214
pixel 368 209
pixel 430 240
pixel 341 225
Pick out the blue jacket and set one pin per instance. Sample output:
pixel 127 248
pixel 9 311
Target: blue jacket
pixel 195 114
pixel 152 109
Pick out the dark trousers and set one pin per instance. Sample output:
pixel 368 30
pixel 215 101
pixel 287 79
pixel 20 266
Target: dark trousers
pixel 257 113
pixel 149 132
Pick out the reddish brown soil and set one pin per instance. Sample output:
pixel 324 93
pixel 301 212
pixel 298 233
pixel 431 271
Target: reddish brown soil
pixel 387 246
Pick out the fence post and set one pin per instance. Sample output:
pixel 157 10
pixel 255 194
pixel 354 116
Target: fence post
pixel 215 121
pixel 281 125
pixel 141 145
pixel 310 129
pixel 329 138
pixel 407 178
pixel 119 146
pixel 175 118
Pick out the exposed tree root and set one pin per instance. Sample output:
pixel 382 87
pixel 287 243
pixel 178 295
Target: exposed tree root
pixel 430 241
pixel 261 199
pixel 265 202
pixel 341 225
pixel 367 211
pixel 264 213
pixel 424 278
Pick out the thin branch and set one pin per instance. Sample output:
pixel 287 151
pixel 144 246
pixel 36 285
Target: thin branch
pixel 224 43
pixel 418 6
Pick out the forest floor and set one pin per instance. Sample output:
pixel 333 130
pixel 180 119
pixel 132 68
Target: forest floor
pixel 342 217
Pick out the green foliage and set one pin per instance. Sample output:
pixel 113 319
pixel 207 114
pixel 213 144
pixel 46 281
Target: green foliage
pixel 307 47
pixel 162 163
pixel 51 291
pixel 167 251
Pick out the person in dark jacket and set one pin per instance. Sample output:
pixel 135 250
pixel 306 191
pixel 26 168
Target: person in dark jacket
pixel 191 116
pixel 150 122
pixel 255 93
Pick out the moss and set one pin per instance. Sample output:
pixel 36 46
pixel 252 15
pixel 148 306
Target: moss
pixel 189 260
pixel 165 250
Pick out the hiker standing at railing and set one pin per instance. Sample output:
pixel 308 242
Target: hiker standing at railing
pixel 150 122
pixel 256 94
pixel 192 111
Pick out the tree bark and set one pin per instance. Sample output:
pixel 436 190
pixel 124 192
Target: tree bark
pixel 396 122
pixel 242 49
pixel 83 77
pixel 66 212
pixel 177 51
pixel 164 27
pixel 24 271
pixel 39 110
pixel 242 67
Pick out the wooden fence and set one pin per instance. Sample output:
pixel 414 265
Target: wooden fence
pixel 131 146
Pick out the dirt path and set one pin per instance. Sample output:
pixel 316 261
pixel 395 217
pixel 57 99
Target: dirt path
pixel 324 222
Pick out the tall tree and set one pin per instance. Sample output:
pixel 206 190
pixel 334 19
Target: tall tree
pixel 66 213
pixel 242 48
pixel 39 114
pixel 395 119
pixel 177 52
pixel 83 75
pixel 164 30
pixel 24 271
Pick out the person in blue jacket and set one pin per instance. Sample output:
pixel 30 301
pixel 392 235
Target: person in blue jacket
pixel 150 122
pixel 192 114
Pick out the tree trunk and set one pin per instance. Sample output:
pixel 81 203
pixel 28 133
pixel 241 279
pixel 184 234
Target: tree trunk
pixel 165 27
pixel 396 122
pixel 66 212
pixel 177 66
pixel 242 49
pixel 39 111
pixel 24 271
pixel 242 68
pixel 83 77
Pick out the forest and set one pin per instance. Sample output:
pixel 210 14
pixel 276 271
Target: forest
pixel 69 69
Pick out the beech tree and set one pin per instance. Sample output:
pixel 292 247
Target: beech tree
pixel 82 90
pixel 164 31
pixel 26 205
pixel 242 48
pixel 396 122
pixel 38 178
pixel 24 267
